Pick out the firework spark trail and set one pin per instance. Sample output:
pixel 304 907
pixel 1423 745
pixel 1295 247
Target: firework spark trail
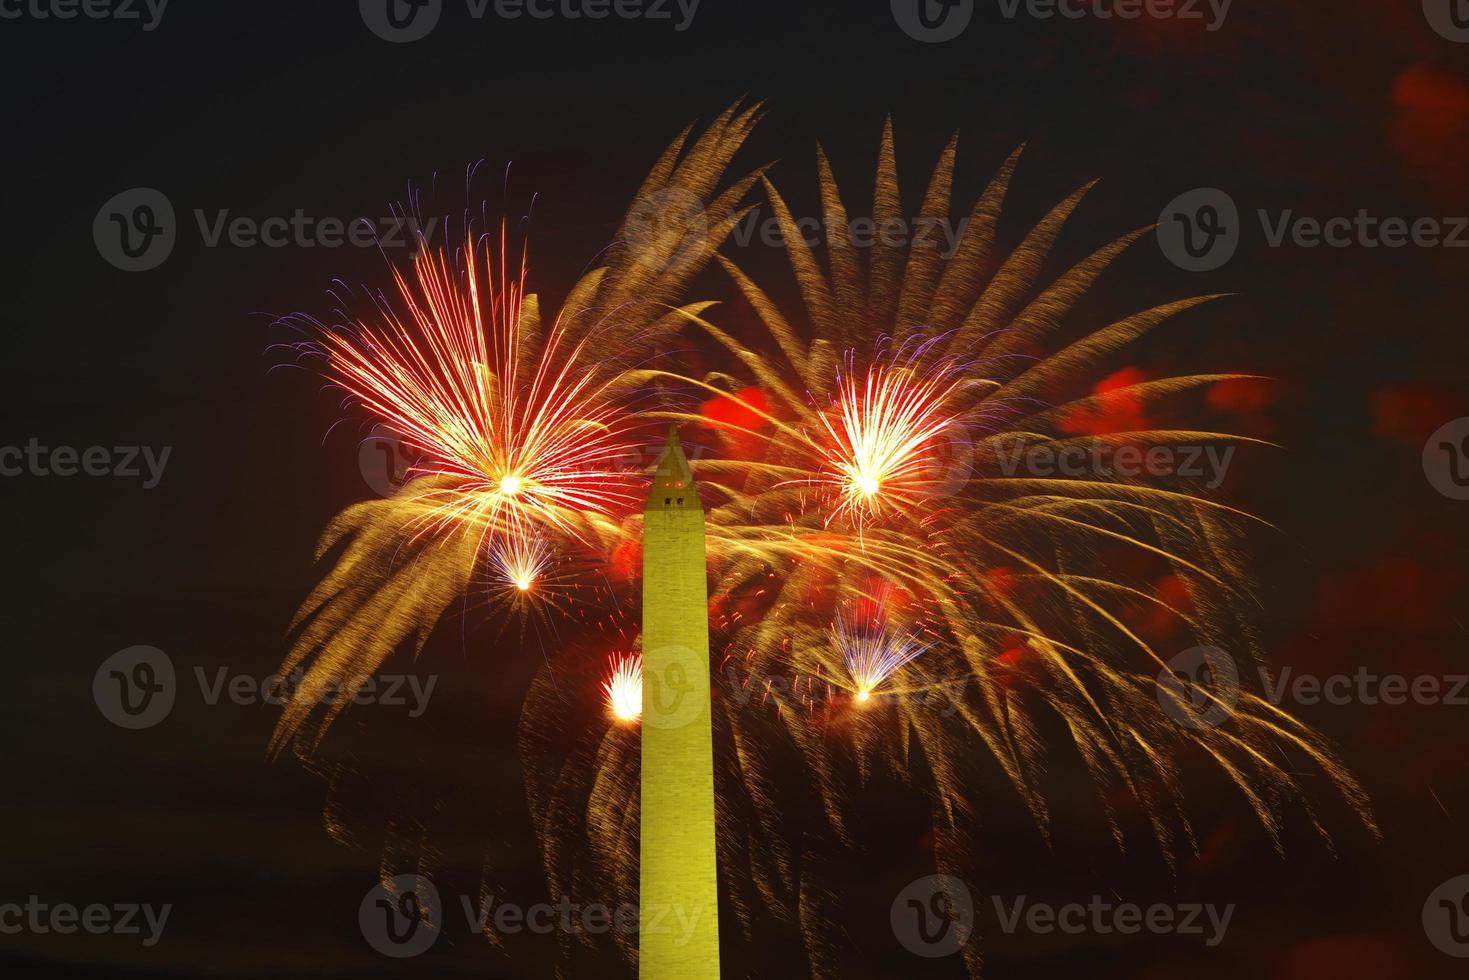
pixel 872 646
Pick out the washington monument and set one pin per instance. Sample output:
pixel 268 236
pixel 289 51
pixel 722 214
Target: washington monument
pixel 679 894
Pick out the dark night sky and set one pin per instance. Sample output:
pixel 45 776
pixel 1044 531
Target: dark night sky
pixel 262 109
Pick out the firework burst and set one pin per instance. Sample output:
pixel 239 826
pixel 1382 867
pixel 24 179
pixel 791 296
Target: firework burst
pixel 872 647
pixel 889 399
pixel 623 688
pixel 521 436
pixel 529 579
pixel 520 562
pixel 875 441
pixel 1027 588
pixel 524 432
